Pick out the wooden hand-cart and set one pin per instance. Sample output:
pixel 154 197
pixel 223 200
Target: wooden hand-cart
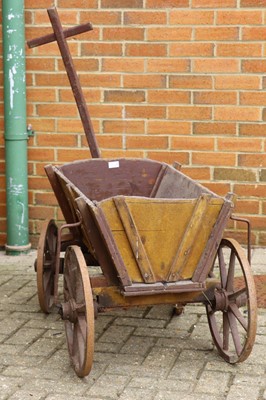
pixel 155 235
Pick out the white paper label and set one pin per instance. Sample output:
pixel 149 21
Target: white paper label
pixel 113 164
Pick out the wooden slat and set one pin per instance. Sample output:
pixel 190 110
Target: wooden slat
pixel 190 236
pixel 114 252
pixel 211 248
pixel 158 180
pixel 134 240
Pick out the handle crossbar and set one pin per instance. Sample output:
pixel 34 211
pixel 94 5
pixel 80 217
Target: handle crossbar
pixel 60 36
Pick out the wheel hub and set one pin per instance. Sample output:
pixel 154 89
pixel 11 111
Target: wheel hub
pixel 221 300
pixel 70 309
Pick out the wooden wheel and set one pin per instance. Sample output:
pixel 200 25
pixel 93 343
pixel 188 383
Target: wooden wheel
pixel 232 311
pixel 78 311
pixel 45 265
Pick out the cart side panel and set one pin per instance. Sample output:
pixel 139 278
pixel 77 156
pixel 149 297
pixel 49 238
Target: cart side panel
pixel 98 179
pixel 160 235
pixel 92 231
pixel 59 194
pixel 174 184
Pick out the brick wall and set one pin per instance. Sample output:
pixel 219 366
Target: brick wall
pixel 171 80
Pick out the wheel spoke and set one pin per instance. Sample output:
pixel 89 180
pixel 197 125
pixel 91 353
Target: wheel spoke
pixel 235 333
pixel 231 273
pixel 239 316
pixel 222 264
pixel 68 286
pixel 225 332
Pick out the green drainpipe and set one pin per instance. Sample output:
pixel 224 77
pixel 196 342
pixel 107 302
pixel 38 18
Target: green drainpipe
pixel 16 136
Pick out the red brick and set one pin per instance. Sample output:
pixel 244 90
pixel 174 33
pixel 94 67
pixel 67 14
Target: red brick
pixel 216 33
pixel 145 17
pixel 234 174
pixel 239 50
pixel 91 95
pixel 147 142
pixel 192 143
pixel 120 126
pixel 42 125
pixel 254 66
pixel 239 17
pixel 168 65
pixel 77 4
pixel 51 80
pixel 214 128
pixel 84 64
pixel 250 190
pixel 56 140
pixel 252 159
pixel 237 82
pixel 105 111
pixel 44 198
pixel 57 110
pixel 254 33
pixel 146 50
pixel 169 128
pixel 144 81
pixel 100 17
pixel 169 34
pixel 117 34
pixel 124 96
pixel 214 3
pixel 34 94
pixel 215 65
pixel 214 158
pixel 110 141
pixel 191 49
pixel 101 49
pixel 197 173
pixel 69 126
pixel 45 64
pixel 72 154
pixel 191 82
pixel 99 80
pixel 123 65
pixel 154 112
pixel 246 207
pixel 252 129
pixel 41 154
pixel 237 113
pixel 191 17
pixel 253 3
pixel 253 98
pixel 166 3
pixel 189 112
pixel 237 144
pixel 169 157
pixel 169 96
pixel 114 154
pixel 215 97
pixel 122 4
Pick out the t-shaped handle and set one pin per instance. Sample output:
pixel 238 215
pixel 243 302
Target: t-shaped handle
pixel 60 36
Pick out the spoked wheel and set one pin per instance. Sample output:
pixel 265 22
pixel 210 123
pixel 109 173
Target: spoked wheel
pixel 45 265
pixel 232 312
pixel 78 311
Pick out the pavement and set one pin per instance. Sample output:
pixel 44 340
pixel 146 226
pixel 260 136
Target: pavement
pixel 139 353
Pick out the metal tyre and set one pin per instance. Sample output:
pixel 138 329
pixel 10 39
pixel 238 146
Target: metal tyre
pixel 45 265
pixel 78 311
pixel 232 312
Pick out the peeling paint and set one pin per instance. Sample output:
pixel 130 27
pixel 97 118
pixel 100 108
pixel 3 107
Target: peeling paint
pixel 15 190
